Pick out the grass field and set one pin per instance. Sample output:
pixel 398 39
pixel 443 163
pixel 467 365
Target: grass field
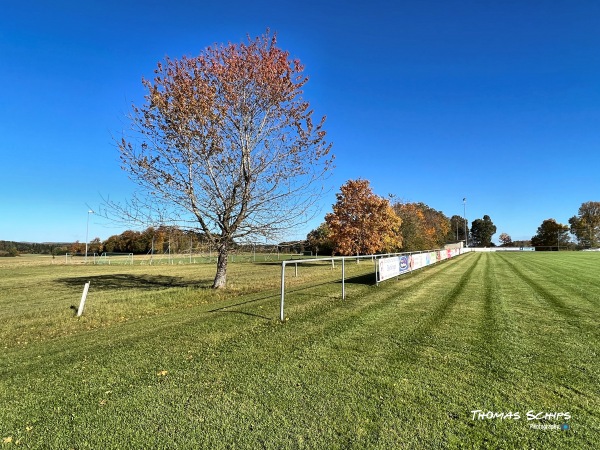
pixel 158 360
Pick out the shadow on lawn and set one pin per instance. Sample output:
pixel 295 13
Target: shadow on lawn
pixel 244 313
pixel 226 309
pixel 128 281
pixel 367 279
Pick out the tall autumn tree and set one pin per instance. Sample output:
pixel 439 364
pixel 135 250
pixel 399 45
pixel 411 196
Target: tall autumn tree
pixel 423 228
pixel 226 141
pixel 362 222
pixel 586 225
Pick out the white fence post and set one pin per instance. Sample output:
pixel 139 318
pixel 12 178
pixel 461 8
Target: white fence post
pixel 83 297
pixel 343 279
pixel 376 272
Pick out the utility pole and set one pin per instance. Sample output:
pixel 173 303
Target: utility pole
pixel 87 228
pixel 465 219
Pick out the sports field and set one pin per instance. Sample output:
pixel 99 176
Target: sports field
pixel 488 350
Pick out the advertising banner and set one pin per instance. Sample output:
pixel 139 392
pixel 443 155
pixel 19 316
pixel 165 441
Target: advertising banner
pixel 388 268
pixel 418 261
pixel 397 265
pixel 404 264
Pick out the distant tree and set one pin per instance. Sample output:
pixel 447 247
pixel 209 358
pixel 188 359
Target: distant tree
pixel 551 235
pixel 505 239
pixel 110 244
pixel 95 246
pixel 585 226
pixel 423 228
pixel 61 249
pixel 319 240
pixel 225 141
pixel 482 231
pixel 362 222
pixel 161 239
pixel 130 242
pixel 149 240
pixel 77 247
pixel 458 225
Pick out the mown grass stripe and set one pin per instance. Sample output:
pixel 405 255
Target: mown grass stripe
pixel 552 300
pixel 573 280
pixel 443 305
pixel 497 355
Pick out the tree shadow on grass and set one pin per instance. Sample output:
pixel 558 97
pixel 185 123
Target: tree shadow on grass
pixel 226 309
pixel 368 279
pixel 298 290
pixel 128 281
pixel 301 264
pixel 244 313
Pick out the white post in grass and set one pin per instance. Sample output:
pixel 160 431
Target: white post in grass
pixel 281 316
pixel 343 278
pixel 83 297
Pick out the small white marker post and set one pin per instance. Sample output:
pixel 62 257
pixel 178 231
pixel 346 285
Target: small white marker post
pixel 83 297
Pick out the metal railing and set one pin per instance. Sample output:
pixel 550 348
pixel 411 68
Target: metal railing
pixel 343 260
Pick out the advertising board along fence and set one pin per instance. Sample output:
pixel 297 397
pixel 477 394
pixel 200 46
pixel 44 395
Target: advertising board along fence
pixel 393 266
pixel 387 266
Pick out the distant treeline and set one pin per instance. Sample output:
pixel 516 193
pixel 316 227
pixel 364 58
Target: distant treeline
pixel 152 240
pixel 165 239
pixel 155 240
pixel 159 240
pixel 11 248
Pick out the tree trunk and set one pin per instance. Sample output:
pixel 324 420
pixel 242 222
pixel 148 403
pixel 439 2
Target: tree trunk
pixel 221 276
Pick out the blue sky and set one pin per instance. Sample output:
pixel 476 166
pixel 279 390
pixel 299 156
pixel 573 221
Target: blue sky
pixel 431 101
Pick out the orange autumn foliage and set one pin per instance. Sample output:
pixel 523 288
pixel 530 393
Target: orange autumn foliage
pixel 362 222
pixel 226 142
pixel 423 228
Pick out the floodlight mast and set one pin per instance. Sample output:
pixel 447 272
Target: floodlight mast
pixel 87 228
pixel 465 219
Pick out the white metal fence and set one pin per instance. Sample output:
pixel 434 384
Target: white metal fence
pixel 402 262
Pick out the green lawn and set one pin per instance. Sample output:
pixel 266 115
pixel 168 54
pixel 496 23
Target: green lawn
pixel 158 360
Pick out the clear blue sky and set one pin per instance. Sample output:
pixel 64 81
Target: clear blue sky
pixel 432 101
